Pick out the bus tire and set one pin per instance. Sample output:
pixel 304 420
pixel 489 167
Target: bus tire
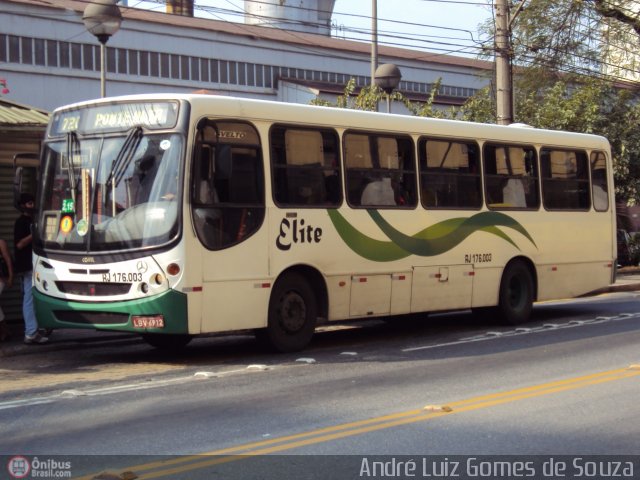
pixel 516 294
pixel 293 314
pixel 167 341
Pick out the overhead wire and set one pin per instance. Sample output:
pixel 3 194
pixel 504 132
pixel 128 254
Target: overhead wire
pixel 445 44
pixel 459 48
pixel 431 44
pixel 589 27
pixel 419 41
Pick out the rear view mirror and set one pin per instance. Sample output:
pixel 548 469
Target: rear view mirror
pixel 25 167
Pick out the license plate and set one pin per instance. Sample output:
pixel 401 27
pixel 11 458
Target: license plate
pixel 148 321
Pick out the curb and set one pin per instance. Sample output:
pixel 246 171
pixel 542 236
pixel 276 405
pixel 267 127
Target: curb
pixel 626 286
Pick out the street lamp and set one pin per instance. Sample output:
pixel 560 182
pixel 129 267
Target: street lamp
pixel 387 77
pixel 102 18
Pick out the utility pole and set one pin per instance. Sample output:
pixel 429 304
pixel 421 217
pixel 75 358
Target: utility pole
pixel 374 40
pixel 504 81
pixel 374 43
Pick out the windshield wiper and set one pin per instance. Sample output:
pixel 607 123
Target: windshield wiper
pixel 73 148
pixel 125 155
pixel 121 163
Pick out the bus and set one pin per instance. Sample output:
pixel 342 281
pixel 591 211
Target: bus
pixel 173 216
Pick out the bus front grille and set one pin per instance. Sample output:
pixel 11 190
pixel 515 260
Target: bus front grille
pixel 94 289
pixel 91 318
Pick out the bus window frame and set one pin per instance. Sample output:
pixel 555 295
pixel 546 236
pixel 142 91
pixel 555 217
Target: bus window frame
pixel 194 163
pixel 606 183
pixel 338 168
pixel 588 178
pixel 422 140
pixel 537 179
pixel 373 134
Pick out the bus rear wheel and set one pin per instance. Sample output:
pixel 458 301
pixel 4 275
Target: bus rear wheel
pixel 167 341
pixel 516 294
pixel 292 315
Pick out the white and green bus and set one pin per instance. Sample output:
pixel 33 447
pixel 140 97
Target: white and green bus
pixel 178 215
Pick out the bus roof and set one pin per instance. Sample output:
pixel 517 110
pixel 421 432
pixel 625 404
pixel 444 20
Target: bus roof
pixel 281 112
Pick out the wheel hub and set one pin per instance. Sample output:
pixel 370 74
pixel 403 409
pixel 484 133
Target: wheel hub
pixel 293 312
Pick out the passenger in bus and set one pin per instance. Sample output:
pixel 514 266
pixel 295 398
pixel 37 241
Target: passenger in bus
pixel 378 192
pixel 208 220
pixel 332 187
pixel 600 198
pixel 142 179
pixel 401 195
pixel 207 194
pixel 513 194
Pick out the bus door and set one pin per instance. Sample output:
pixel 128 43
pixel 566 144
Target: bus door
pixel 441 288
pixel 228 212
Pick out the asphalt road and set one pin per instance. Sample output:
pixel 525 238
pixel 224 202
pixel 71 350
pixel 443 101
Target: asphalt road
pixel 564 385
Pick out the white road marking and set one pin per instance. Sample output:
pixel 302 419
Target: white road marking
pixel 145 384
pixel 493 335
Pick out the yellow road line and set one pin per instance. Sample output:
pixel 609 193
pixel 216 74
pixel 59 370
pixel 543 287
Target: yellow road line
pixel 336 432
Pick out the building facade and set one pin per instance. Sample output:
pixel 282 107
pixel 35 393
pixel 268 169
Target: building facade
pixel 49 59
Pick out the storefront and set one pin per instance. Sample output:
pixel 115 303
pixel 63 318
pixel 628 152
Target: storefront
pixel 22 129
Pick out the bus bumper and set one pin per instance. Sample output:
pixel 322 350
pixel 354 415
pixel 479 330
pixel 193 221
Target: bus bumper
pixel 170 306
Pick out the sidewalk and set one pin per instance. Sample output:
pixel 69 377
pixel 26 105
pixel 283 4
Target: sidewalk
pixel 628 280
pixel 60 340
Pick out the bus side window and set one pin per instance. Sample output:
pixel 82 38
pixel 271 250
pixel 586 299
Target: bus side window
pixel 565 181
pixel 449 174
pixel 380 170
pixel 511 177
pixel 228 183
pixel 306 168
pixel 599 184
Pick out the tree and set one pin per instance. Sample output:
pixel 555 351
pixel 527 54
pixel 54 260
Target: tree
pixel 561 81
pixel 586 37
pixel 556 35
pixel 620 12
pixel 568 76
pixel 621 34
pixel 368 98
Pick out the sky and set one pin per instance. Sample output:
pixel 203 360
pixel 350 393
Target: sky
pixel 444 26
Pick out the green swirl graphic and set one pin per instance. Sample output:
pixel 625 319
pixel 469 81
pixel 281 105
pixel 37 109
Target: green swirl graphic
pixel 431 241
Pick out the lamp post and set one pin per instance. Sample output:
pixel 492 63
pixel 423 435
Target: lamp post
pixel 387 77
pixel 102 18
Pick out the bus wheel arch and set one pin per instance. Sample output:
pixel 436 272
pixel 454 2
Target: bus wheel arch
pixel 518 290
pixel 298 298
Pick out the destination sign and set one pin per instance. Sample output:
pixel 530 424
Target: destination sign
pixel 120 116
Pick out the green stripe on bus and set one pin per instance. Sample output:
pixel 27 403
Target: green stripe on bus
pixel 434 240
pixel 171 304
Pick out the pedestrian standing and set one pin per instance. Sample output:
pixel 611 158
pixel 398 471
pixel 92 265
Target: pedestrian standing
pixel 6 280
pixel 24 266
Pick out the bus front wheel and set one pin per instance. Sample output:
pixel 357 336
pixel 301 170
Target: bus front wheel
pixel 292 315
pixel 516 294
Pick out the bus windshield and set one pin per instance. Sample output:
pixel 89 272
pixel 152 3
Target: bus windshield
pixel 117 192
